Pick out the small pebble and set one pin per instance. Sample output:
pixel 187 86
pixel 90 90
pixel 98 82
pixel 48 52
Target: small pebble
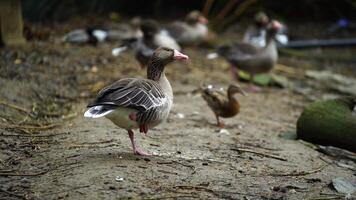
pixel 94 69
pixel 18 61
pixel 180 115
pixel 224 131
pixel 119 179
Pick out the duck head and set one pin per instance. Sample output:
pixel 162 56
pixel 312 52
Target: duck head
pixel 160 58
pixel 195 17
pixel 235 89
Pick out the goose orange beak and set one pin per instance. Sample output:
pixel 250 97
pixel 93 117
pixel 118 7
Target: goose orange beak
pixel 203 20
pixel 179 56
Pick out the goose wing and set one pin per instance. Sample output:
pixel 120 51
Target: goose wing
pixel 139 94
pixel 177 29
pixel 242 51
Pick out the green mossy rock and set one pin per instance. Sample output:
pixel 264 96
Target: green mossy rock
pixel 329 123
pixel 259 79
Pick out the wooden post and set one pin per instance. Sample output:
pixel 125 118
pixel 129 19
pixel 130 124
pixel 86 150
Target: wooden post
pixel 11 23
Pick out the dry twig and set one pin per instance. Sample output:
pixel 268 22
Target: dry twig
pixel 258 153
pixel 218 193
pixel 13 106
pixel 24 174
pixel 12 194
pixel 301 173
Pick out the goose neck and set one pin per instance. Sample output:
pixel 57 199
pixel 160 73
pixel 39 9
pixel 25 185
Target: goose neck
pixel 155 69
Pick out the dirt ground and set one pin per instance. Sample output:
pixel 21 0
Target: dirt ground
pixel 50 151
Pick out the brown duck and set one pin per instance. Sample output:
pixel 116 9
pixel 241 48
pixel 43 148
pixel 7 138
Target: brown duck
pixel 222 104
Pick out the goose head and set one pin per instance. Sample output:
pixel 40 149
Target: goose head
pixel 272 29
pixel 160 58
pixel 167 55
pixel 261 19
pixel 136 22
pixel 195 17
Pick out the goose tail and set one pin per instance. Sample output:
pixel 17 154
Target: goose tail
pixel 98 111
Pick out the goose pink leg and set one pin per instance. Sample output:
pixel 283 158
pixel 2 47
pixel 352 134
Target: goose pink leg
pixel 136 149
pixel 253 88
pixel 234 72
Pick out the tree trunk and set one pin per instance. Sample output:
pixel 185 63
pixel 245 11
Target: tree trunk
pixel 11 23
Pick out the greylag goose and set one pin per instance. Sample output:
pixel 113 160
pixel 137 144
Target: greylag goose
pixel 250 58
pixel 192 31
pixel 256 33
pixel 222 104
pixel 152 38
pixel 132 103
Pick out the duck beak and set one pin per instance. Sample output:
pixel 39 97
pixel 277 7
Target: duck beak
pixel 243 93
pixel 203 20
pixel 179 56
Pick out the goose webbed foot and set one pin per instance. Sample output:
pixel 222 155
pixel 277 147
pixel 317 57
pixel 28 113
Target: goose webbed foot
pixel 135 148
pixel 234 72
pixel 140 152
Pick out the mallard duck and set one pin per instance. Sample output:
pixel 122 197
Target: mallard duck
pixel 192 31
pixel 222 104
pixel 132 103
pixel 252 59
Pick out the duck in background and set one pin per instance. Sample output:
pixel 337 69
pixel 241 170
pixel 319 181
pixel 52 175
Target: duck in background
pixel 132 103
pixel 222 104
pixel 117 32
pixel 144 47
pixel 89 35
pixel 252 59
pixel 256 33
pixel 192 31
pixel 124 31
